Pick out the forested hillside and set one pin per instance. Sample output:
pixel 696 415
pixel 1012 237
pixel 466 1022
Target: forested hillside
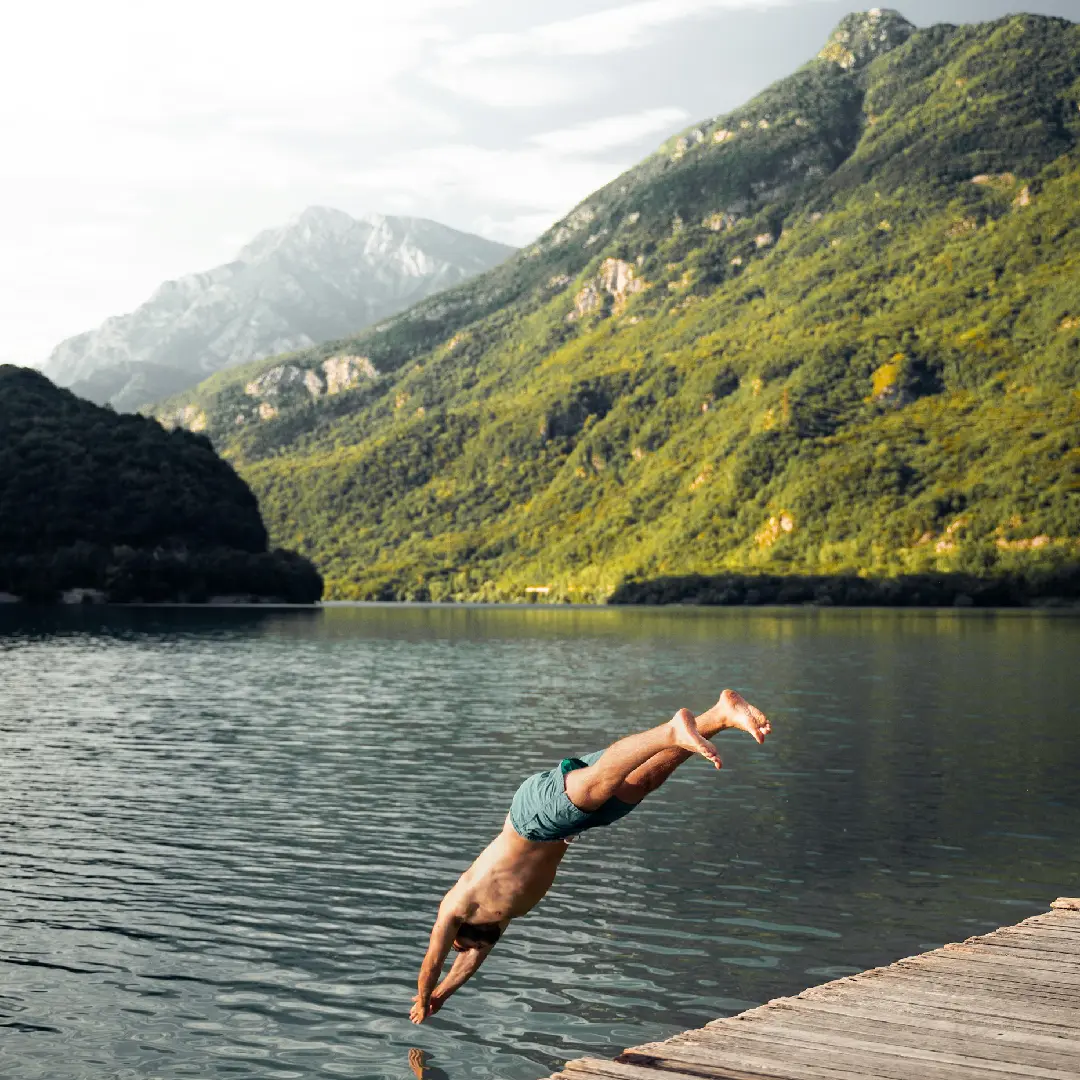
pixel 92 502
pixel 834 332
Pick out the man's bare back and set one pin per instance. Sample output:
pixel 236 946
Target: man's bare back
pixel 514 872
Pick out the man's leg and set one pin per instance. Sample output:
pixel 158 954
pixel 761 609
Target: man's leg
pixel 731 711
pixel 638 764
pixel 646 778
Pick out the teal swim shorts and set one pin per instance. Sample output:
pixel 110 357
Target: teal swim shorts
pixel 542 810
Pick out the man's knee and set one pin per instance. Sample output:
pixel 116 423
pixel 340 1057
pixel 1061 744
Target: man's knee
pixel 586 792
pixel 633 791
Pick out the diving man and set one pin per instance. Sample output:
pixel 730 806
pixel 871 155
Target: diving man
pixel 515 871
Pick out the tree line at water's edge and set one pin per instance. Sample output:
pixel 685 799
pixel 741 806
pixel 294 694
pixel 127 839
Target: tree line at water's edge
pixel 114 507
pixel 833 336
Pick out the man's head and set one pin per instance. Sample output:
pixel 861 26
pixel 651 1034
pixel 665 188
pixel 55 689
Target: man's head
pixel 477 936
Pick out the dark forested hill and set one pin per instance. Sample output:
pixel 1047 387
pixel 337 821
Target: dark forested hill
pixel 93 500
pixel 835 332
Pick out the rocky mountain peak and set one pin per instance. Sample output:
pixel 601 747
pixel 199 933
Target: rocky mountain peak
pixel 316 224
pixel 325 217
pixel 862 36
pixel 321 275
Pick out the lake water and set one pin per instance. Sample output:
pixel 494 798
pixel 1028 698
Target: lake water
pixel 224 834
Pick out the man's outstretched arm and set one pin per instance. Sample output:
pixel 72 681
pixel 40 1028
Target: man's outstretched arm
pixel 465 966
pixel 442 938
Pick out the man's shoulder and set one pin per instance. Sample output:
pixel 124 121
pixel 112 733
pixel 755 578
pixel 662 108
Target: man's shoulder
pixel 459 903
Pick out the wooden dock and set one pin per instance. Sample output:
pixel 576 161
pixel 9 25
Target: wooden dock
pixel 1002 1006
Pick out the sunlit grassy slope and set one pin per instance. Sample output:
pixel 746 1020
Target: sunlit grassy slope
pixel 837 330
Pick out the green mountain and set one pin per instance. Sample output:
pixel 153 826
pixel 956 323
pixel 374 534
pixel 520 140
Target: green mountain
pixel 836 331
pixel 92 502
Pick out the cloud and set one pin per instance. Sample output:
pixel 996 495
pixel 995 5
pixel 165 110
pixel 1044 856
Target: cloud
pixel 518 191
pixel 597 136
pixel 613 29
pixel 528 68
pixel 529 186
pixel 513 86
pixel 513 176
pixel 142 142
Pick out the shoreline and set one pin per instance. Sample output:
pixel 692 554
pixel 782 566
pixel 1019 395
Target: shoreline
pixel 1066 611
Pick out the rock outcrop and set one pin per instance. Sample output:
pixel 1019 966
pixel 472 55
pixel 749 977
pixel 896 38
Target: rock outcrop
pixel 616 278
pixel 863 36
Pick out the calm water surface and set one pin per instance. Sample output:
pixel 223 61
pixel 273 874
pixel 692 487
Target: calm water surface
pixel 223 835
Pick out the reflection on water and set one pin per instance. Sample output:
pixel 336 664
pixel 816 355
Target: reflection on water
pixel 224 834
pixel 422 1069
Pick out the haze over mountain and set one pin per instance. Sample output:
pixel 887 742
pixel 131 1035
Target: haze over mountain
pixel 321 276
pixel 836 331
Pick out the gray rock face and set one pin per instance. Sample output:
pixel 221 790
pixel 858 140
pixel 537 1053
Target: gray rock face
pixel 322 276
pixel 863 36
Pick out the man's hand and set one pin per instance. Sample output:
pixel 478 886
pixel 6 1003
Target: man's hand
pixel 421 1009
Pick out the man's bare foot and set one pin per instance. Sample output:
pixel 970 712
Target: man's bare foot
pixel 689 738
pixel 734 711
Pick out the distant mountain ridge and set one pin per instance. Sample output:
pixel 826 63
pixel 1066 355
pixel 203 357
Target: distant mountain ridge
pixel 321 276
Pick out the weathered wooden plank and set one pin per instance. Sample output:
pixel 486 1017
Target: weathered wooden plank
pixel 1065 935
pixel 1050 935
pixel 1061 918
pixel 1066 959
pixel 874 1053
pixel 967 1001
pixel 1068 922
pixel 1026 949
pixel 984 980
pixel 989 967
pixel 899 1038
pixel 1044 941
pixel 646 1068
pixel 666 1068
pixel 960 984
pixel 1061 962
pixel 960 975
pixel 769 1051
pixel 943 1019
pixel 1035 929
pixel 800 1063
pixel 755 1065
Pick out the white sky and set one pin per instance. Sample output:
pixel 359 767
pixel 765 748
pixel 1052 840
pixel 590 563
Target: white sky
pixel 141 141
